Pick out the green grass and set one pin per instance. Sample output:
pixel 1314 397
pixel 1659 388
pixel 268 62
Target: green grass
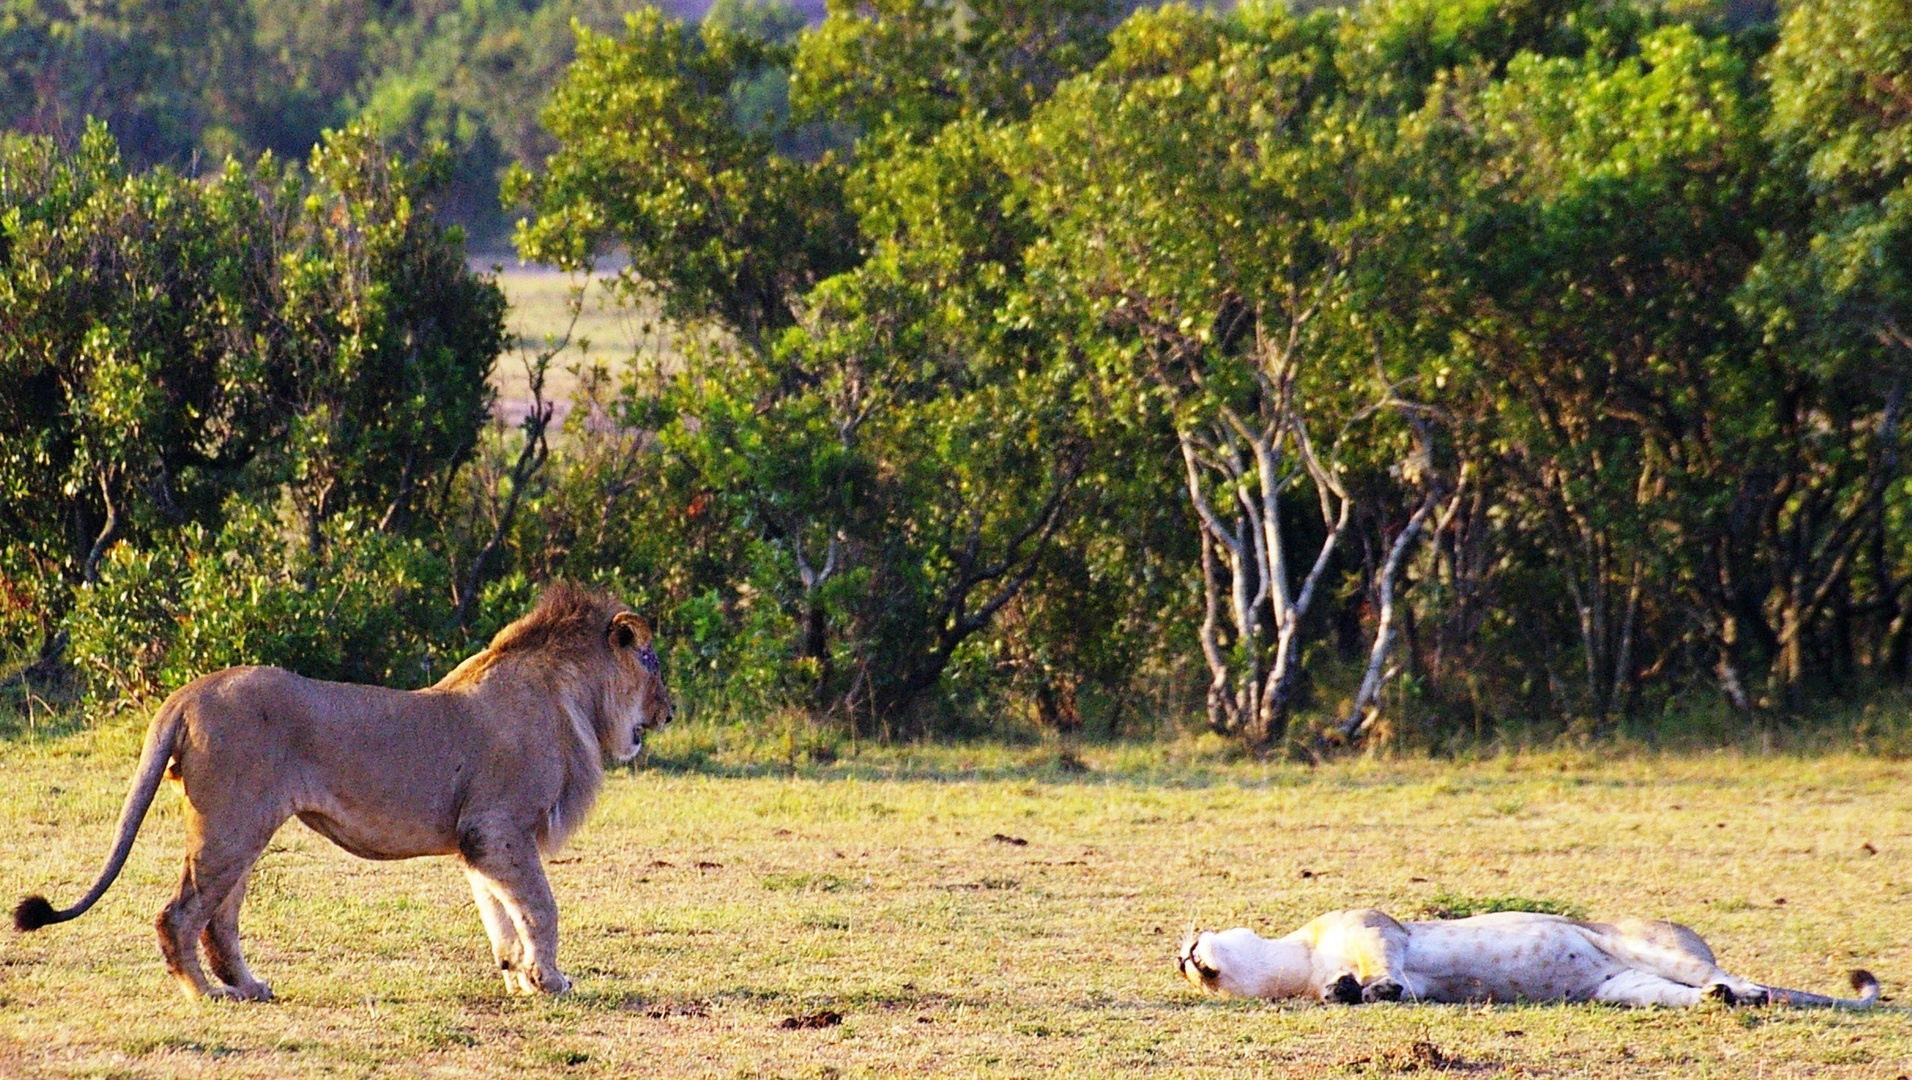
pixel 605 333
pixel 1447 905
pixel 714 897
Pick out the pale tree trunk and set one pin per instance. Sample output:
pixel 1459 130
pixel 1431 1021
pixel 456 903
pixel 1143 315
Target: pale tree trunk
pixel 1364 712
pixel 1253 616
pixel 815 645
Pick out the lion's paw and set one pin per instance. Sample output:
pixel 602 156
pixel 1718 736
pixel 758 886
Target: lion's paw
pixel 1345 990
pixel 1382 990
pixel 1750 996
pixel 258 991
pixel 553 982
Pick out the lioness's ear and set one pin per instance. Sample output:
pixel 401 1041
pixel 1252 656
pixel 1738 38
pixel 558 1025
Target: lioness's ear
pixel 628 628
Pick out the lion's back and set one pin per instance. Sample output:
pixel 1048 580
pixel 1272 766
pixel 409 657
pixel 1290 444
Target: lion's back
pixel 244 719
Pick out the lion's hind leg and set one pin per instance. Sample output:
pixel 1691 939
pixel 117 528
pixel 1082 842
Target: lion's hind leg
pixel 1676 953
pixel 217 862
pixel 223 955
pixel 1633 987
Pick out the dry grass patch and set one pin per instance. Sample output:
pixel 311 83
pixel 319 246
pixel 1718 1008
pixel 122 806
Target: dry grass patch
pixel 866 918
pixel 606 334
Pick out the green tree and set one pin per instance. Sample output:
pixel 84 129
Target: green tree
pixel 169 349
pixel 714 222
pixel 905 68
pixel 1834 290
pixel 892 437
pixel 1616 210
pixel 1231 316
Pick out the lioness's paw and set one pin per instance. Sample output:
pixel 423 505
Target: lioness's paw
pixel 1750 996
pixel 1382 990
pixel 1721 993
pixel 553 982
pixel 1345 990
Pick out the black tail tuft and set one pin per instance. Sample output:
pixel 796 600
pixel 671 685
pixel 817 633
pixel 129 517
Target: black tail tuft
pixel 34 912
pixel 1864 983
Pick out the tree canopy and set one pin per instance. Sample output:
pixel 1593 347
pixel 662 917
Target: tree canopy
pixel 1407 369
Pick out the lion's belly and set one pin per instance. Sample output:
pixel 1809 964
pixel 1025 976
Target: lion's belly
pixel 1503 958
pixel 406 804
pixel 387 839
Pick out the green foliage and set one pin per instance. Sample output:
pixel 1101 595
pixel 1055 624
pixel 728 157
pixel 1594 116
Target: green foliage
pixel 1608 386
pixel 907 67
pixel 174 353
pixel 884 464
pixel 1840 93
pixel 654 160
pixel 178 83
pixel 367 607
pixel 1395 370
pixel 1531 266
pixel 166 344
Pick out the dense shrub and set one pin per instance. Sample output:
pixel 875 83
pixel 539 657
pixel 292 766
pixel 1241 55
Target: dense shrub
pixel 1410 368
pixel 1419 370
pixel 175 355
pixel 365 607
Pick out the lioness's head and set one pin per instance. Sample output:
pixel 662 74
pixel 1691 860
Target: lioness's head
pixel 1195 966
pixel 1220 962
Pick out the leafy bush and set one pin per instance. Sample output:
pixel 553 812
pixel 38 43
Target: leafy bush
pixel 177 356
pixel 367 607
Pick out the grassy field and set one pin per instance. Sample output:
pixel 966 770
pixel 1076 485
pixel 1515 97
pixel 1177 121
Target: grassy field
pixel 980 912
pixel 604 333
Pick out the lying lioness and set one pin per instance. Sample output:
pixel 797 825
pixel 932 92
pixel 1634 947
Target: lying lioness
pixel 1356 956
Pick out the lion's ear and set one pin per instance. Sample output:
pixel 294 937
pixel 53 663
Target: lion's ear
pixel 629 629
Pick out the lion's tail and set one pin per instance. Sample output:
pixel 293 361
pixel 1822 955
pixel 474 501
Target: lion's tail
pixel 1862 982
pixel 162 737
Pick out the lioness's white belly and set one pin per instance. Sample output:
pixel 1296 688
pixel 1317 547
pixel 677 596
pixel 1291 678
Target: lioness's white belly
pixel 1507 956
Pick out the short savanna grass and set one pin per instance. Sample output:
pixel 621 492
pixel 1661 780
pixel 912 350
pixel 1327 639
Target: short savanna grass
pixel 608 332
pixel 721 911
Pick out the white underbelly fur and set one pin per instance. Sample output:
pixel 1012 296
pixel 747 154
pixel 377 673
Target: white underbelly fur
pixel 1487 959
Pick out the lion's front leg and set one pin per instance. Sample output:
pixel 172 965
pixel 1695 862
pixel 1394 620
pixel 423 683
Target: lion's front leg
pixel 507 872
pixel 506 950
pixel 1360 956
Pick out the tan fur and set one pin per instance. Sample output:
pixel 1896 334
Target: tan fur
pixel 498 763
pixel 1364 955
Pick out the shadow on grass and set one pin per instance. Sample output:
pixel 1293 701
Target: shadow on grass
pixel 31 709
pixel 1204 760
pixel 958 763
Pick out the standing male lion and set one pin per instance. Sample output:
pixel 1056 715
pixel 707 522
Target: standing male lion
pixel 497 763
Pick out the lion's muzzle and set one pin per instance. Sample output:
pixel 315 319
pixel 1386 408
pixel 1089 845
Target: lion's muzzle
pixel 1192 966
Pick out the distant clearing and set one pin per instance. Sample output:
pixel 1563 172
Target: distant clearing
pixel 605 333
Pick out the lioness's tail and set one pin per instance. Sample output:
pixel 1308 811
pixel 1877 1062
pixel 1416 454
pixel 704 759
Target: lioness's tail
pixel 1862 981
pixel 162 737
